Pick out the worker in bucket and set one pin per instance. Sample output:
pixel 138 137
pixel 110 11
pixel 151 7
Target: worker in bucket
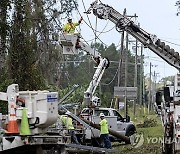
pixel 69 28
pixel 67 121
pixel 105 141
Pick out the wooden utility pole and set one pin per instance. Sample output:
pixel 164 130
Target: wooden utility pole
pixel 141 77
pixel 121 54
pixel 143 92
pixel 150 82
pixel 126 72
pixel 154 88
pixel 135 77
pixel 120 62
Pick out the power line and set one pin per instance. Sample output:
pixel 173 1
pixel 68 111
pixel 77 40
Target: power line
pixel 171 42
pixel 90 26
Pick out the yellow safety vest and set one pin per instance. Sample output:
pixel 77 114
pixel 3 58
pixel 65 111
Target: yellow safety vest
pixel 104 126
pixel 68 122
pixel 70 28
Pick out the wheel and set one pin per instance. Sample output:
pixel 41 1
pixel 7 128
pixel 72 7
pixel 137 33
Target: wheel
pixel 168 149
pixel 130 131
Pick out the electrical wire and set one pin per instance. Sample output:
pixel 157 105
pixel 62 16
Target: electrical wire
pixel 100 32
pixel 96 36
pixel 104 28
pixel 171 42
pixel 88 17
pixel 107 84
pixel 70 49
pixel 53 18
pixel 90 26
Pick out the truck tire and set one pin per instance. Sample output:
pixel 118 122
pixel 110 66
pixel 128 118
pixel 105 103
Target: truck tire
pixel 130 131
pixel 168 149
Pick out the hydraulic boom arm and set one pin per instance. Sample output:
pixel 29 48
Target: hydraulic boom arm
pixel 122 22
pixel 102 63
pixel 68 42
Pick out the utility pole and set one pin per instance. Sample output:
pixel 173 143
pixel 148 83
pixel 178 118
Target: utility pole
pixel 120 61
pixel 144 93
pixel 150 95
pixel 154 88
pixel 126 71
pixel 141 77
pixel 135 77
pixel 121 53
pixel 125 55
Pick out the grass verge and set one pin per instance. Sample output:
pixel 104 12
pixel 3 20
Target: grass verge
pixel 148 139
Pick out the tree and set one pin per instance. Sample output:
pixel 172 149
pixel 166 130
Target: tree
pixel 32 28
pixel 79 70
pixel 27 34
pixel 178 6
pixel 22 68
pixel 4 28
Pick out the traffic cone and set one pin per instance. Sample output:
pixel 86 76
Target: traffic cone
pixel 24 129
pixel 12 123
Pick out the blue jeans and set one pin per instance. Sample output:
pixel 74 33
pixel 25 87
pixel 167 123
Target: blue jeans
pixel 105 139
pixel 73 136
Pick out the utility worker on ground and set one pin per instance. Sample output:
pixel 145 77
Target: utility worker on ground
pixel 104 132
pixel 70 26
pixel 67 121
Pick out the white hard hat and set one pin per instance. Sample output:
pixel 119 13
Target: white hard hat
pixel 102 115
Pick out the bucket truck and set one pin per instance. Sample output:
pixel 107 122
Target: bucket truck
pixel 41 112
pixel 116 121
pixel 170 107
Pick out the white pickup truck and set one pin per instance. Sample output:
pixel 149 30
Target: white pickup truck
pixel 115 121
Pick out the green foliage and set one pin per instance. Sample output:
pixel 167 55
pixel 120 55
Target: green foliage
pixel 23 71
pixel 26 30
pixel 76 96
pixel 32 56
pixel 148 122
pixel 169 78
pixel 178 6
pixel 5 82
pixel 149 133
pixel 82 69
pixel 67 6
pixel 4 27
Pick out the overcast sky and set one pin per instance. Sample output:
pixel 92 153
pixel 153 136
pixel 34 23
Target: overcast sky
pixel 155 16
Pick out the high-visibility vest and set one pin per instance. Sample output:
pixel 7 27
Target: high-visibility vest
pixel 68 122
pixel 70 27
pixel 104 126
